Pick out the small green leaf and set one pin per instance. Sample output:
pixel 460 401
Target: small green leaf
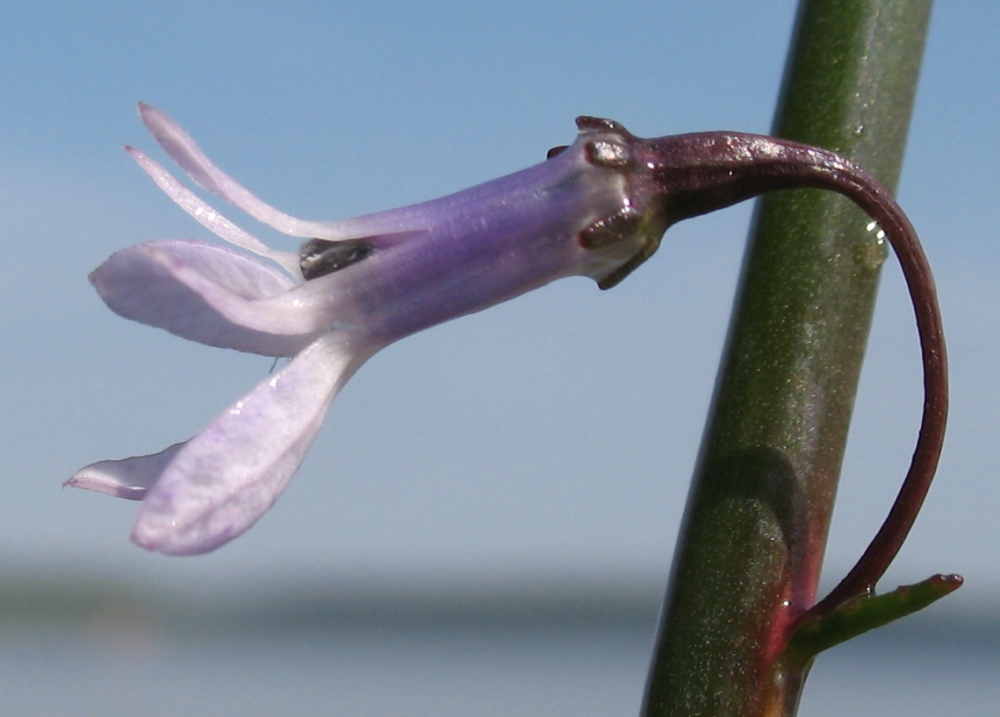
pixel 865 613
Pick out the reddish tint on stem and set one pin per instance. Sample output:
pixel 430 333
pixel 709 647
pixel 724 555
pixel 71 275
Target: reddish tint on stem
pixel 699 173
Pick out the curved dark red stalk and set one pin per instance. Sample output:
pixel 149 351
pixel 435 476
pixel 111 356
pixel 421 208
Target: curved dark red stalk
pixel 701 172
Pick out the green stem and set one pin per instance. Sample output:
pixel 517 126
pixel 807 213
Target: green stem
pixel 755 528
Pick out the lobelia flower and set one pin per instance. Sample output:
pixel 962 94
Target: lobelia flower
pixel 356 286
pixel 596 208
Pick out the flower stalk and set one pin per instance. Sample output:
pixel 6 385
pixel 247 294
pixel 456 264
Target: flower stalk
pixel 748 561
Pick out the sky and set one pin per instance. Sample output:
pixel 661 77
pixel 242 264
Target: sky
pixel 555 432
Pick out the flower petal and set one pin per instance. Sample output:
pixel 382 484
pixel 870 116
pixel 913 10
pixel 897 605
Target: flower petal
pixel 205 215
pixel 225 478
pixel 127 478
pixel 208 293
pixel 183 150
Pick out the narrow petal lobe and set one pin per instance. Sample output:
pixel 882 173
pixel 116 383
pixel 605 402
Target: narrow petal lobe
pixel 208 217
pixel 183 150
pixel 127 478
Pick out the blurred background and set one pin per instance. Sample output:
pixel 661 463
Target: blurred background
pixel 486 523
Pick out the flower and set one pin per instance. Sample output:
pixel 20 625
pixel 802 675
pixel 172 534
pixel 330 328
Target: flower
pixel 354 287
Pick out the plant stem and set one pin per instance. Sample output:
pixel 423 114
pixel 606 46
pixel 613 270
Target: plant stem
pixel 750 551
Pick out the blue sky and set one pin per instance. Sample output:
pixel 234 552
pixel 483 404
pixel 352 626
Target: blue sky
pixel 555 432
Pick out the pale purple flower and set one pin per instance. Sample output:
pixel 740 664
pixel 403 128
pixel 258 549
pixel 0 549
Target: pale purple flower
pixel 356 286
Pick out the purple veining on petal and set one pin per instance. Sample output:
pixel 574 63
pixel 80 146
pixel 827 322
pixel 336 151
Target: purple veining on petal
pixel 481 247
pixel 226 477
